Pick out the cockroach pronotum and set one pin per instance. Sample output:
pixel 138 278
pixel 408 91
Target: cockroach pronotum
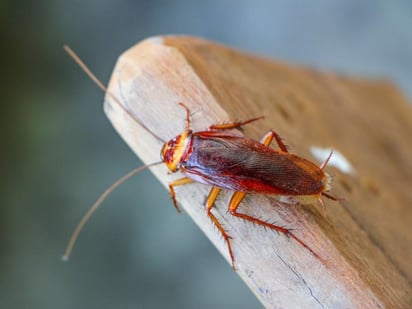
pixel 225 160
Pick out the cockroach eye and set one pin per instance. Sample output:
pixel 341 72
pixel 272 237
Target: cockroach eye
pixel 162 152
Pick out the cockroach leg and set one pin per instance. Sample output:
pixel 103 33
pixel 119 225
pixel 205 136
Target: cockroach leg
pixel 214 192
pixel 177 182
pixel 267 139
pixel 211 198
pixel 232 125
pixel 323 206
pixel 234 205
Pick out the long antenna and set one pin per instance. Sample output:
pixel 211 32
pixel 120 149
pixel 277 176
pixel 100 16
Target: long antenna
pixel 97 204
pixel 121 180
pixel 99 84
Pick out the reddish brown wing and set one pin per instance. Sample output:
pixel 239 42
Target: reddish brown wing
pixel 242 164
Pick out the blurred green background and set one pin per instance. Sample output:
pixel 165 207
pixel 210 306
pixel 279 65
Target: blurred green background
pixel 59 152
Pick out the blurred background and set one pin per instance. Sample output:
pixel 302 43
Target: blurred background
pixel 59 152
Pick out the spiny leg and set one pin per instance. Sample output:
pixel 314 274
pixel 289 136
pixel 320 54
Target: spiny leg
pixel 210 201
pixel 234 203
pixel 267 139
pixel 177 182
pixel 232 125
pixel 331 197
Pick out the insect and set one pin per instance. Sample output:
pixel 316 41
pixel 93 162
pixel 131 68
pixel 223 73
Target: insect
pixel 225 160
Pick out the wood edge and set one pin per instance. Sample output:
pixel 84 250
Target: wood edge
pixel 160 42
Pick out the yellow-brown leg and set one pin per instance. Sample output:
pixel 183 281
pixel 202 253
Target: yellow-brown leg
pixel 234 203
pixel 211 198
pixel 214 192
pixel 322 203
pixel 177 182
pixel 267 139
pixel 232 125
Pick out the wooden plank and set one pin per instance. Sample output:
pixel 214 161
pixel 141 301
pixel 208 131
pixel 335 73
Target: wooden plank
pixel 365 241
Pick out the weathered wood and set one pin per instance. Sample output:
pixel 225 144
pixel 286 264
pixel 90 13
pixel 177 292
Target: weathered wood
pixel 365 241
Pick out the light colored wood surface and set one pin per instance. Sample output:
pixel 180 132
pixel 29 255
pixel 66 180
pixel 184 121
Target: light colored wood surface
pixel 365 241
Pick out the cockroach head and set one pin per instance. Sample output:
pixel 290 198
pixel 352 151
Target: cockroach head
pixel 174 151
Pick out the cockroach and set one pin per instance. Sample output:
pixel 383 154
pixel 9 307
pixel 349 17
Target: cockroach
pixel 225 160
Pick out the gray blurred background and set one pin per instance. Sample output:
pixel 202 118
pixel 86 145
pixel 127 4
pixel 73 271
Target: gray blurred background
pixel 59 152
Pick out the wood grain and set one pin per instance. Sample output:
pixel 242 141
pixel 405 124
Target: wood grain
pixel 365 241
